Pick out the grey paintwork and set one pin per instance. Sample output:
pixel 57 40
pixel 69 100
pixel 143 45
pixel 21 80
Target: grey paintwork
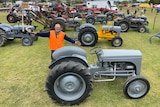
pixel 15 31
pixel 111 62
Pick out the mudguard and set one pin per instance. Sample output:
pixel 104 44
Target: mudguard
pixel 69 53
pixel 87 25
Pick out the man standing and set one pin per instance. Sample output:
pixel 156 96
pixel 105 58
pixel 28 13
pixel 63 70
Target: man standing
pixel 56 38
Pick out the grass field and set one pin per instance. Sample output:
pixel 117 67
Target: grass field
pixel 23 71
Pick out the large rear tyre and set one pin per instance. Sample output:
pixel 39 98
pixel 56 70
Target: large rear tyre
pixel 11 18
pixel 136 87
pixel 110 17
pixel 124 26
pixel 88 36
pixel 3 38
pixel 90 19
pixel 69 83
pixel 62 23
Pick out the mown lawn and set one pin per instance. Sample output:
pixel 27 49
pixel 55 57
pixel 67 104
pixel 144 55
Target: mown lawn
pixel 23 71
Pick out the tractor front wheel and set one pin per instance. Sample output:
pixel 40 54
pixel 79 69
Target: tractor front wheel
pixel 142 29
pixel 136 87
pixel 117 41
pixel 69 83
pixel 27 41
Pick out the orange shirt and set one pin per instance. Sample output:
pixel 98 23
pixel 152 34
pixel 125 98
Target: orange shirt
pixel 56 42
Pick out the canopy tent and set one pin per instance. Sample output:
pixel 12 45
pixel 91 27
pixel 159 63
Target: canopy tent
pixel 145 5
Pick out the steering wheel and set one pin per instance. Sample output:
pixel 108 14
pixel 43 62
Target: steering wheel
pixel 95 50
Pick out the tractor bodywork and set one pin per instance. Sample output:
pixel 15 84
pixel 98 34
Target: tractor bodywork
pixel 8 32
pixel 71 77
pixel 131 22
pixel 88 35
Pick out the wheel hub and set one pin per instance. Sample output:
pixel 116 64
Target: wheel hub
pixel 88 38
pixel 123 26
pixel 69 83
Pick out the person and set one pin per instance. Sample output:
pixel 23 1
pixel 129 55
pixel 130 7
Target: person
pixel 128 12
pixel 56 38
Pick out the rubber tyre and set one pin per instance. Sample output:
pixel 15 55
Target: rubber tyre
pixel 136 87
pixel 110 17
pixel 90 19
pixel 69 83
pixel 11 18
pixel 27 41
pixel 124 26
pixel 59 22
pixel 88 36
pixel 117 41
pixel 142 29
pixel 3 38
pixel 77 26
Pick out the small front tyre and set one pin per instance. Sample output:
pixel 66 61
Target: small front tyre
pixel 142 29
pixel 27 41
pixel 136 87
pixel 117 41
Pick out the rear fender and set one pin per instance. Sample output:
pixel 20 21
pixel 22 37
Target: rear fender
pixel 87 25
pixel 61 18
pixel 69 58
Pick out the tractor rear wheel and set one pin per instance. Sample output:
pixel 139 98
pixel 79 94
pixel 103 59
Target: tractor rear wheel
pixel 3 38
pixel 136 87
pixel 69 83
pixel 110 17
pixel 124 26
pixel 11 18
pixel 117 41
pixel 90 19
pixel 88 36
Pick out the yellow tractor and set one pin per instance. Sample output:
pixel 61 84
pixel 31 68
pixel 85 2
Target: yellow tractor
pixel 88 36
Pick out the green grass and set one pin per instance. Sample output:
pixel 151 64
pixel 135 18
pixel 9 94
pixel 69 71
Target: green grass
pixel 23 71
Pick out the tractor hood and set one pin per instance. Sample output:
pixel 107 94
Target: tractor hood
pixel 7 27
pixel 111 55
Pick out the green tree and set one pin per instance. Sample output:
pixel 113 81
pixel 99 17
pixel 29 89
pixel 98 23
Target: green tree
pixel 155 1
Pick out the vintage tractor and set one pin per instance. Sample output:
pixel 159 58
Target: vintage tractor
pixel 9 33
pixel 71 77
pixel 103 18
pixel 49 22
pixel 131 22
pixel 88 36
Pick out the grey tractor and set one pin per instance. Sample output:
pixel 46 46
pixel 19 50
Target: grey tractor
pixel 138 23
pixel 103 18
pixel 9 33
pixel 71 78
